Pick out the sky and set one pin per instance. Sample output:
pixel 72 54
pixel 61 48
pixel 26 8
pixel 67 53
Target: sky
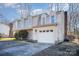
pixel 11 11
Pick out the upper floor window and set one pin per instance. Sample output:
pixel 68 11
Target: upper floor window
pixel 25 23
pixel 43 19
pixel 39 20
pixel 53 19
pixel 19 24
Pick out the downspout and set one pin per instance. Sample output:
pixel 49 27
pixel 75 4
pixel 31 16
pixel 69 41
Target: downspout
pixel 65 24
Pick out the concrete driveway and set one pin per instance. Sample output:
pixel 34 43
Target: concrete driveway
pixel 63 49
pixel 21 48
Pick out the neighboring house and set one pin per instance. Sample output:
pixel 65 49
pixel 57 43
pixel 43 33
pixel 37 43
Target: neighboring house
pixel 4 29
pixel 45 27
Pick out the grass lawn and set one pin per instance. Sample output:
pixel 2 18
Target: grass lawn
pixel 6 39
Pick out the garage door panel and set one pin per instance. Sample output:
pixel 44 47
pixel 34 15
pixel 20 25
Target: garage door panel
pixel 45 34
pixel 46 37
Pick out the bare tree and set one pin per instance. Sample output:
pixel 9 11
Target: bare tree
pixel 25 9
pixel 74 18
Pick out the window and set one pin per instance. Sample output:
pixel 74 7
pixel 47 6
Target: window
pixel 39 20
pixel 43 30
pixel 19 24
pixel 47 30
pixel 43 19
pixel 25 23
pixel 53 19
pixel 35 30
pixel 51 30
pixel 40 31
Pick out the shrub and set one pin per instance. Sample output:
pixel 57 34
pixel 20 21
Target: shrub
pixel 16 35
pixel 66 40
pixel 69 38
pixel 21 34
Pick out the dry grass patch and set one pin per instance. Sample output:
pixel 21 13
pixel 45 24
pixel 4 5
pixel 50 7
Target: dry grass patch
pixel 6 39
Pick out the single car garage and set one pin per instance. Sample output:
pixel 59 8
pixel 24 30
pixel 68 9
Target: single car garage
pixel 45 34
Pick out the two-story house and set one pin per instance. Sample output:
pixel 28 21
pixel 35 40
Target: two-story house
pixel 45 27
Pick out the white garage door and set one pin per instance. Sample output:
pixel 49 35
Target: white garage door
pixel 45 36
